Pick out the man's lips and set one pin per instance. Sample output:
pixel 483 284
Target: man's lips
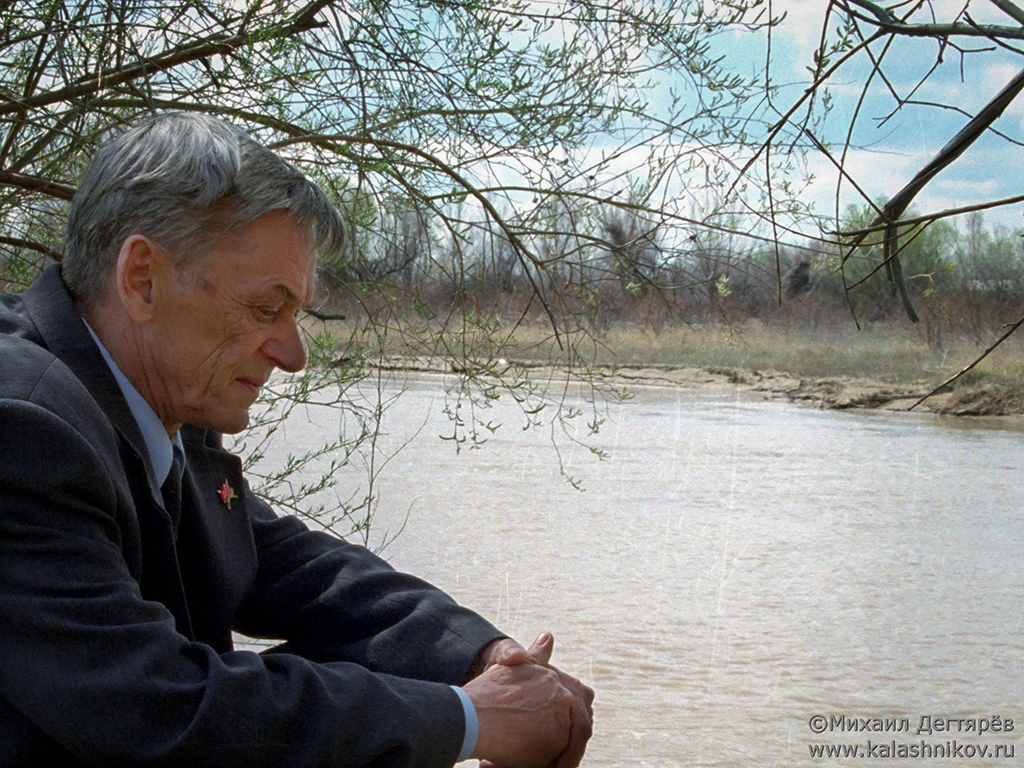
pixel 253 384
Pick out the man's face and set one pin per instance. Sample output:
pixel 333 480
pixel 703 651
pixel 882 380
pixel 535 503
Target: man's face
pixel 214 342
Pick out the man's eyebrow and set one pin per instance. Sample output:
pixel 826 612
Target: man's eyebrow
pixel 286 292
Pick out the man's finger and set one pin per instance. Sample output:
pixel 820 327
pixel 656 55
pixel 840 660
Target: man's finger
pixel 580 733
pixel 506 652
pixel 540 651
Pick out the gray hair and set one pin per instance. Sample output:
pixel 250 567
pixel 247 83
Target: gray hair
pixel 184 180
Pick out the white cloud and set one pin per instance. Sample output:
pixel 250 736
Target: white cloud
pixel 976 177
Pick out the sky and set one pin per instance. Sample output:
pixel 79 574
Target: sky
pixel 884 155
pixel 888 154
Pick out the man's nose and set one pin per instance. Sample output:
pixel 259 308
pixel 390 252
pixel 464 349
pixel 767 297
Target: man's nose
pixel 285 347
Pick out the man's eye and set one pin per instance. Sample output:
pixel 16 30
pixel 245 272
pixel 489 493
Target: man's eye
pixel 267 313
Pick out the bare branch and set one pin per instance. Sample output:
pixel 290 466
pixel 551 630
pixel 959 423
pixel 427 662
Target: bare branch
pixel 200 49
pixel 31 245
pixel 884 21
pixel 36 184
pixel 953 149
pixel 1010 9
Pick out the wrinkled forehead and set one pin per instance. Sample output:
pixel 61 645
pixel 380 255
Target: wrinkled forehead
pixel 272 255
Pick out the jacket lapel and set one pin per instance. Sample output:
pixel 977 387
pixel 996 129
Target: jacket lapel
pixel 63 332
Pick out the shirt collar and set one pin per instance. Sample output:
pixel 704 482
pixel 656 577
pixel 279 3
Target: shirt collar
pixel 160 447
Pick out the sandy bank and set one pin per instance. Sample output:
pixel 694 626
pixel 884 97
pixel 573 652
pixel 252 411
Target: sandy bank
pixel 836 393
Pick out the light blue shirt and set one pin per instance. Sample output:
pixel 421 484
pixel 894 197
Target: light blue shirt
pixel 162 448
pixel 472 725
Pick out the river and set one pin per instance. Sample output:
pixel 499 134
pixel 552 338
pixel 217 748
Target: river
pixel 733 568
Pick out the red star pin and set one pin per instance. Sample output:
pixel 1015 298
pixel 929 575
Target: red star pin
pixel 227 493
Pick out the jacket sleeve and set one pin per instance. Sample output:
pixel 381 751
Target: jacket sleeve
pixel 89 667
pixel 335 601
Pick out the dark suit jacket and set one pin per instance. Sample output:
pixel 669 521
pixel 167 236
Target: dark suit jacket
pixel 115 629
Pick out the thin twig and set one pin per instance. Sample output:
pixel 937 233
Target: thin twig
pixel 968 367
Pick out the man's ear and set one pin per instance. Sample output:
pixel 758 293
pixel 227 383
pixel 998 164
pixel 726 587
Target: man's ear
pixel 141 265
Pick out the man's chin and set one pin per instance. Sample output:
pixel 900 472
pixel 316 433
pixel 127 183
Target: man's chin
pixel 226 423
pixel 235 425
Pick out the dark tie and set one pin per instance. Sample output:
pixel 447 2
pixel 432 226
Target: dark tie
pixel 171 490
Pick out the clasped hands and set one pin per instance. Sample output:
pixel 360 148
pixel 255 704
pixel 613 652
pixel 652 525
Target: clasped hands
pixel 531 715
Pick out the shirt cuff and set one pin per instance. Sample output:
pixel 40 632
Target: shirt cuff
pixel 472 725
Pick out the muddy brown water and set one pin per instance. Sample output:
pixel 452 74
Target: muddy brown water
pixel 734 570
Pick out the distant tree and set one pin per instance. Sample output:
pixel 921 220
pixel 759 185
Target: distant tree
pixel 633 251
pixel 926 255
pixel 989 273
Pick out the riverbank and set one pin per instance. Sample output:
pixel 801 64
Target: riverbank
pixel 979 396
pixel 886 367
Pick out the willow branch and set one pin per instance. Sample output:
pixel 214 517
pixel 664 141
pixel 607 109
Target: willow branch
pixel 31 245
pixel 808 93
pixel 1010 9
pixel 36 184
pixel 928 217
pixel 883 20
pixel 520 247
pixel 201 49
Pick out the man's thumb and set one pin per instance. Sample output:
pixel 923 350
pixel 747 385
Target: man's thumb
pixel 540 651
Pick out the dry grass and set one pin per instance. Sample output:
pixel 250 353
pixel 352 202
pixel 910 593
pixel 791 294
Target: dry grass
pixel 896 354
pixel 875 354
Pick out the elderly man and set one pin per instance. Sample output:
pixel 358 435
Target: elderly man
pixel 131 546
